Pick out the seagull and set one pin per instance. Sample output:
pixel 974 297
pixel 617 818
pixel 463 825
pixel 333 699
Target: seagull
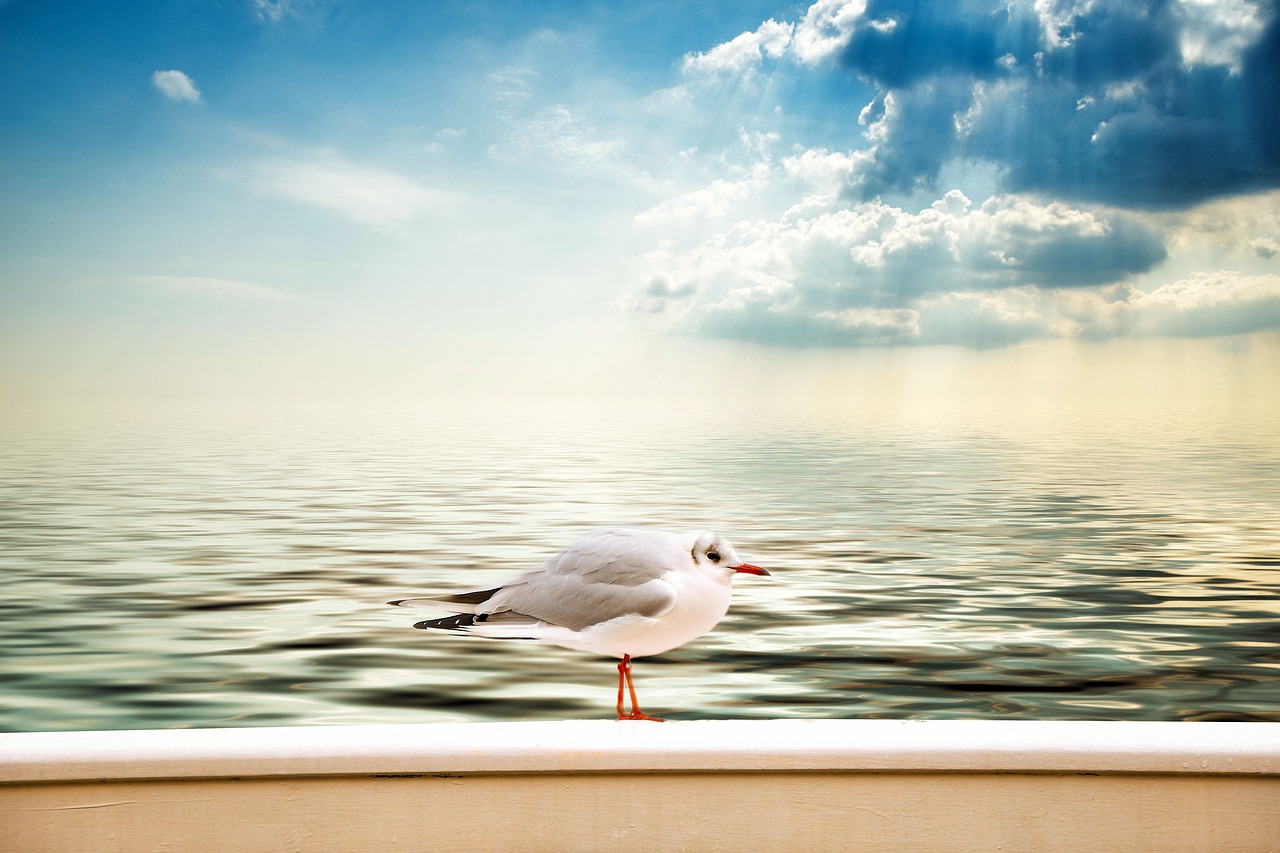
pixel 621 593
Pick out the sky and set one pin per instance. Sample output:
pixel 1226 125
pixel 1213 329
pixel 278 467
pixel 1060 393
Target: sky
pixel 318 197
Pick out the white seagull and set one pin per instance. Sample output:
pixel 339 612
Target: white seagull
pixel 622 593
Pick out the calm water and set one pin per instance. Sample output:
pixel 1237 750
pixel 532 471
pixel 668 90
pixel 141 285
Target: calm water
pixel 208 568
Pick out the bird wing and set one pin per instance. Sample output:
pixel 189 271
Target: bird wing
pixel 613 573
pixel 577 602
pixel 610 574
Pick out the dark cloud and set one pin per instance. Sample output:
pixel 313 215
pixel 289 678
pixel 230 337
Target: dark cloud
pixel 921 133
pixel 903 42
pixel 1261 90
pixel 1114 41
pixel 1102 107
pixel 1124 248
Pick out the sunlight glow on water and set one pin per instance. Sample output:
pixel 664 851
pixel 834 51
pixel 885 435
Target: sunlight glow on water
pixel 203 569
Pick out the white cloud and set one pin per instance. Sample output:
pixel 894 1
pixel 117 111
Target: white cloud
pixel 795 186
pixel 1204 304
pixel 1240 226
pixel 275 11
pixel 364 194
pixel 718 199
pixel 444 137
pixel 987 319
pixel 821 168
pixel 1217 32
pixel 1201 305
pixel 1057 20
pixel 871 272
pixel 742 54
pixel 873 252
pixel 271 10
pixel 176 86
pixel 1265 247
pixel 559 133
pixel 510 89
pixel 825 28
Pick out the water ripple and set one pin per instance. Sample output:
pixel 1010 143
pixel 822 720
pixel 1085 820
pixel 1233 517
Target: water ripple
pixel 207 568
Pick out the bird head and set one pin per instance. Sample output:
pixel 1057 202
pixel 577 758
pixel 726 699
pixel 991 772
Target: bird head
pixel 711 552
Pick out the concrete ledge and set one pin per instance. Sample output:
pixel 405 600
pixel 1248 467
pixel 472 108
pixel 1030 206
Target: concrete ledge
pixel 586 785
pixel 609 746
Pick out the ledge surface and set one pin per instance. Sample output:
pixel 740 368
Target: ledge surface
pixel 606 746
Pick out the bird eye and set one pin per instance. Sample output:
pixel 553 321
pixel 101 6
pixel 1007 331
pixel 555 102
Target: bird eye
pixel 713 556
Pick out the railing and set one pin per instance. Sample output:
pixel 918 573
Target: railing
pixel 774 785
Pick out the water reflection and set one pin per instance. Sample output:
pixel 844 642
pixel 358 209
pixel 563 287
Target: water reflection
pixel 202 569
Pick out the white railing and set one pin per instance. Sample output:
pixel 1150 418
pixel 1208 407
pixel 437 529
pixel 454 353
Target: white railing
pixel 586 785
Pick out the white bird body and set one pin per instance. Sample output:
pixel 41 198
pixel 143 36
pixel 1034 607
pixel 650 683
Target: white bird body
pixel 623 593
pixel 698 601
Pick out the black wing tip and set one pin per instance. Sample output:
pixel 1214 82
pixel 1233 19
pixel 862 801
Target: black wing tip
pixel 466 599
pixel 457 622
pixel 475 597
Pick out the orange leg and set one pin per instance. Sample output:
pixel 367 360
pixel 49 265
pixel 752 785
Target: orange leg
pixel 624 677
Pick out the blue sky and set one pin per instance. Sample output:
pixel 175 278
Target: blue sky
pixel 330 197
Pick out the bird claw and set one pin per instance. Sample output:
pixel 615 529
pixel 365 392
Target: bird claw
pixel 640 715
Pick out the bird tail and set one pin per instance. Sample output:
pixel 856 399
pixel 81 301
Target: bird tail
pixel 466 602
pixel 503 625
pixel 456 622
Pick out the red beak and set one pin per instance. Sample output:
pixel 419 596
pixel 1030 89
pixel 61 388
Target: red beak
pixel 748 569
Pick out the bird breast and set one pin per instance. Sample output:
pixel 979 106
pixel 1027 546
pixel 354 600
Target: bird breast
pixel 701 602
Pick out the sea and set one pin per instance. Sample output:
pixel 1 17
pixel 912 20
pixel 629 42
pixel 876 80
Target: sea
pixel 184 565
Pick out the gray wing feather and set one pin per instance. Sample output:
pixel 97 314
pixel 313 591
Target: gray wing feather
pixel 576 603
pixel 610 574
pixel 614 573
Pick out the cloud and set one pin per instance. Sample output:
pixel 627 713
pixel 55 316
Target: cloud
pixel 1239 226
pixel 1204 304
pixel 872 255
pixel 744 53
pixel 557 132
pixel 1144 104
pixel 825 27
pixel 1218 32
pixel 364 194
pixel 445 137
pixel 556 136
pixel 896 44
pixel 971 319
pixel 271 10
pixel 176 86
pixel 1265 247
pixel 715 200
pixel 275 11
pixel 1132 104
pixel 1115 146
